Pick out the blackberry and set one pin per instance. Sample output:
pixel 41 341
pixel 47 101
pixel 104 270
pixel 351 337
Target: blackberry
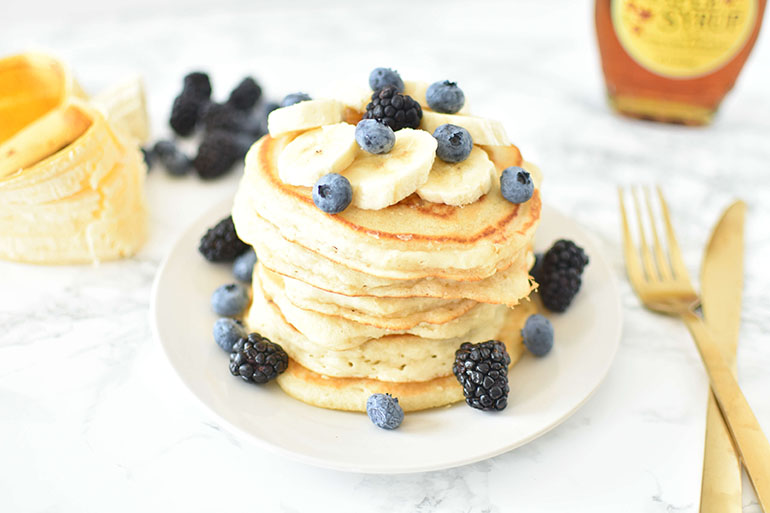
pixel 217 154
pixel 394 109
pixel 245 95
pixel 222 116
pixel 560 273
pixel 197 84
pixel 221 243
pixel 256 359
pixel 185 113
pixel 482 370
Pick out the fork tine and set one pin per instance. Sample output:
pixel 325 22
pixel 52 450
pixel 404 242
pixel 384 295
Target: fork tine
pixel 677 262
pixel 633 264
pixel 649 265
pixel 663 266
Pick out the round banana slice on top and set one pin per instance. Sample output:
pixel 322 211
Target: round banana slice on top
pixel 483 131
pixel 382 180
pixel 459 183
pixel 304 116
pixel 328 149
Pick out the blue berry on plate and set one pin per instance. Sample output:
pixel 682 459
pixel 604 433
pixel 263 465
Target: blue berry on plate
pixel 230 300
pixel 383 77
pixel 375 137
pixel 243 267
pixel 291 99
pixel 332 193
pixel 171 158
pixel 538 335
pixel 445 97
pixel 227 332
pixel 384 411
pixel 516 185
pixel 454 143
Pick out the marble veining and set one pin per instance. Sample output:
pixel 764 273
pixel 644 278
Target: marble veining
pixel 91 416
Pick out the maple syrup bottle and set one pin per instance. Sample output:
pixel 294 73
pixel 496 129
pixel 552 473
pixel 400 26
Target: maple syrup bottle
pixel 674 60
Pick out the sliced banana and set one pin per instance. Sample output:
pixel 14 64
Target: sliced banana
pixel 503 156
pixel 417 90
pixel 304 116
pixel 382 180
pixel 328 149
pixel 483 131
pixel 459 183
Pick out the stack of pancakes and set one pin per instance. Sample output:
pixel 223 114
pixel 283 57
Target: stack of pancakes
pixel 378 301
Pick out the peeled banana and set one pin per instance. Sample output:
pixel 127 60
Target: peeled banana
pixel 73 192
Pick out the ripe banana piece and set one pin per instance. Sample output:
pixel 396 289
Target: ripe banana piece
pixel 459 183
pixel 304 116
pixel 317 152
pixel 382 180
pixel 483 131
pixel 125 107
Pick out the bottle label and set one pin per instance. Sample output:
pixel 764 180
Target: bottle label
pixel 683 38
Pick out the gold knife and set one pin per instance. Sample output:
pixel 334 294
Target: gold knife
pixel 721 286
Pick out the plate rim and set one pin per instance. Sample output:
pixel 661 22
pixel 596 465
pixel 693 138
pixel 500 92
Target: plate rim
pixel 298 456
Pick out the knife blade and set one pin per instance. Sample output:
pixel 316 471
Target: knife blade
pixel 721 287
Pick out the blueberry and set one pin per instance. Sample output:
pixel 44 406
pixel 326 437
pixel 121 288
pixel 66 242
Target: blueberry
pixel 149 157
pixel 445 97
pixel 538 335
pixel 227 332
pixel 291 99
pixel 375 137
pixel 382 77
pixel 243 266
pixel 332 193
pixel 384 411
pixel 454 143
pixel 230 300
pixel 516 185
pixel 171 158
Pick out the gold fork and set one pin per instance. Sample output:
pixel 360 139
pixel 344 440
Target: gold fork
pixel 661 282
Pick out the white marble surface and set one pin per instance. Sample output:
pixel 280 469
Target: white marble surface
pixel 91 417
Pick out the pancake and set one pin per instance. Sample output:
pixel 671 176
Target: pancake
pixel 293 261
pixel 336 332
pixel 351 393
pixel 412 239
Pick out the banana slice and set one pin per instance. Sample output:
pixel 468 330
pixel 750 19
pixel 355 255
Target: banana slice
pixel 125 108
pixel 382 180
pixel 304 116
pixel 503 156
pixel 459 183
pixel 483 131
pixel 417 91
pixel 328 149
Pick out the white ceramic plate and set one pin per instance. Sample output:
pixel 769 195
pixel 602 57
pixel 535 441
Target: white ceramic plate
pixel 544 391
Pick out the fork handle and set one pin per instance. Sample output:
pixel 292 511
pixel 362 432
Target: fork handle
pixel 744 428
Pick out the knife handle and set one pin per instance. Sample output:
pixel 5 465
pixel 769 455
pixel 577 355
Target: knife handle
pixel 743 425
pixel 721 482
